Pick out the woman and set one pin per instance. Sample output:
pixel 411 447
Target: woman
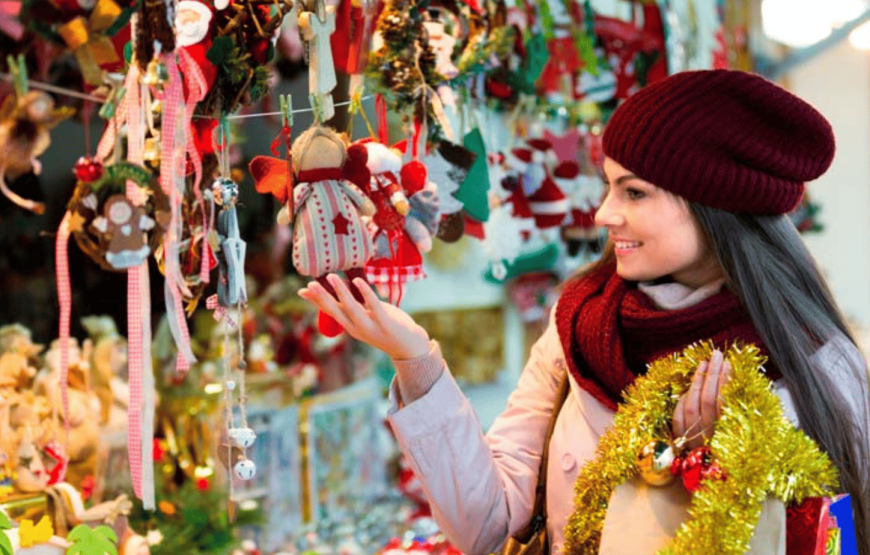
pixel 701 168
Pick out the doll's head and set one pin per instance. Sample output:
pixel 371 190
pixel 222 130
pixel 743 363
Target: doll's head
pixel 318 147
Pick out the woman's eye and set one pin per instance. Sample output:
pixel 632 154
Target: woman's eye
pixel 634 194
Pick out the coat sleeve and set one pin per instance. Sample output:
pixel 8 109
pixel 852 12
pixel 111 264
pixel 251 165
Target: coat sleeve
pixel 481 488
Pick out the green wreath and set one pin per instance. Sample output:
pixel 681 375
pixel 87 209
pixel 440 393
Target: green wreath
pixel 89 201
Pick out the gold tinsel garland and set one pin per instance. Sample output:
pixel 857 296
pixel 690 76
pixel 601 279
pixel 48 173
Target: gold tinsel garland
pixel 760 452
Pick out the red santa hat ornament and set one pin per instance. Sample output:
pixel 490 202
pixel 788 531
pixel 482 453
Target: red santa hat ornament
pixel 542 151
pixel 518 159
pixel 549 204
pixel 565 174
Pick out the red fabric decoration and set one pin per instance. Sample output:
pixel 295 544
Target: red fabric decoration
pixel 474 228
pixel 625 40
pixel 319 174
pixel 567 170
pixel 355 169
pixel 807 529
pixel 727 139
pixel 198 53
pixel 563 61
pixel 352 37
pixel 610 331
pixel 272 175
pixel 414 176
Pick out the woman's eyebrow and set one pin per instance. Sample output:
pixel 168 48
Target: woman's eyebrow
pixel 622 179
pixel 627 177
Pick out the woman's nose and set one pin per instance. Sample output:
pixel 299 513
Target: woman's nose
pixel 607 214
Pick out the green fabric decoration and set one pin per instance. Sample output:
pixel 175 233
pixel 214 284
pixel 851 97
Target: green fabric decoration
pixel 92 541
pixel 548 24
pixel 128 52
pixel 585 45
pixel 5 543
pixel 534 63
pixel 473 191
pixel 537 55
pixel 537 261
pixel 642 64
pixel 220 50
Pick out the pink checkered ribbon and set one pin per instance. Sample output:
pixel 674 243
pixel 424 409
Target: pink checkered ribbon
pixel 64 297
pixel 196 90
pixel 220 312
pixel 139 430
pixel 134 300
pixel 172 170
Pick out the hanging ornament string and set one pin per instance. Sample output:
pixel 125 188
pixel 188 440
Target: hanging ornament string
pixel 197 90
pixel 231 292
pixel 171 176
pixel 229 386
pixel 356 108
pixel 283 136
pixel 430 98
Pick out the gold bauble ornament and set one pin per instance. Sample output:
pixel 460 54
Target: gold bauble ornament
pixel 654 461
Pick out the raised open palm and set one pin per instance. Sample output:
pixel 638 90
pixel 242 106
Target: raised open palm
pixel 375 322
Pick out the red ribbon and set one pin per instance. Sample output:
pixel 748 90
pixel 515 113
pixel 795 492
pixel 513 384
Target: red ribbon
pixel 381 115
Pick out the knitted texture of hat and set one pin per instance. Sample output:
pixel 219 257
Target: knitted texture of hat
pixel 723 138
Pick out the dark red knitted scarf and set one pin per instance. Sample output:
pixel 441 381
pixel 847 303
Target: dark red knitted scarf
pixel 610 331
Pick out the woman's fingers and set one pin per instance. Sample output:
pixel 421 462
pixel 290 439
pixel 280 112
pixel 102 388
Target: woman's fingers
pixel 692 404
pixel 709 400
pixel 679 426
pixel 323 300
pixel 373 303
pixel 724 377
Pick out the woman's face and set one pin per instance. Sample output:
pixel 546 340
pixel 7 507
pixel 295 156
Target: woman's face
pixel 653 232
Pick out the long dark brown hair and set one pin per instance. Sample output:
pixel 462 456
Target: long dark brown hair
pixel 768 267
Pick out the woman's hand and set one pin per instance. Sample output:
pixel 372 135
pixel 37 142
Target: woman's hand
pixel 377 323
pixel 699 408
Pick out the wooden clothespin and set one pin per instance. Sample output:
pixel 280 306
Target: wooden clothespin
pixel 286 103
pixel 113 99
pixel 316 108
pixel 18 70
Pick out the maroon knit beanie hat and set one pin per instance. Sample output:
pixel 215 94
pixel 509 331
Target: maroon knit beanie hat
pixel 722 138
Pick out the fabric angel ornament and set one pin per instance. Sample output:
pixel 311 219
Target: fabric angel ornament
pixel 329 234
pixel 406 214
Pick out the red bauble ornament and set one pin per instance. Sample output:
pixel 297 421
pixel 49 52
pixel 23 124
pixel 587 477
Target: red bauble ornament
pixel 88 170
pixel 698 466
